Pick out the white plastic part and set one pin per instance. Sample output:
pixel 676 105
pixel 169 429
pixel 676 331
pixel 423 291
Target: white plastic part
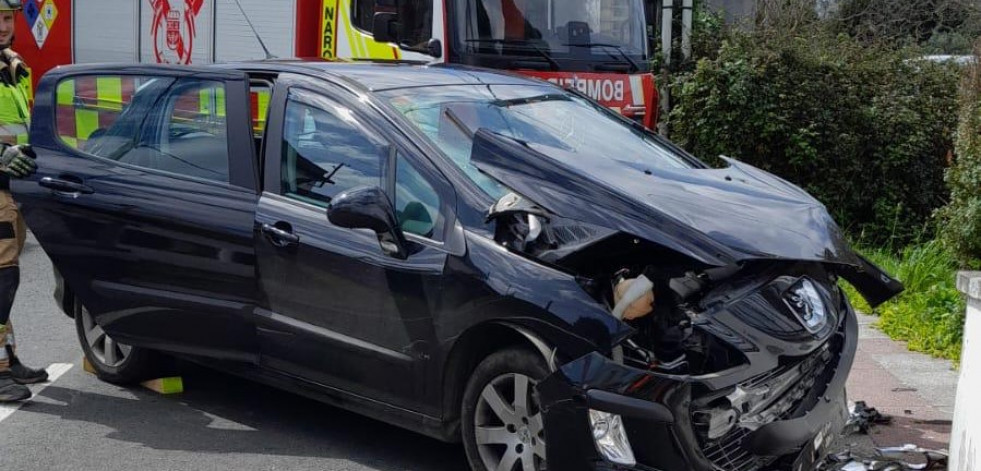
pixel 610 437
pixel 534 228
pixel 638 289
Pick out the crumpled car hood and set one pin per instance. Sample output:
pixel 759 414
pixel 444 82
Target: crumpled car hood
pixel 716 216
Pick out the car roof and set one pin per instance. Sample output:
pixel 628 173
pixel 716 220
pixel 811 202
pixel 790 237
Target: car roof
pixel 378 76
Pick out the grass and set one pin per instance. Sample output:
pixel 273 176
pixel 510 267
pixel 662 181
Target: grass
pixel 929 315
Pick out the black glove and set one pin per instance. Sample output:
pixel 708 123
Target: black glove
pixel 14 68
pixel 18 161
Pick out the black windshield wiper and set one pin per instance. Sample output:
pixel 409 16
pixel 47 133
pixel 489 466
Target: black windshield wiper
pixel 530 100
pixel 517 42
pixel 619 49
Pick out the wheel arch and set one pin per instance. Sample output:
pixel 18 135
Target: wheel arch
pixel 472 347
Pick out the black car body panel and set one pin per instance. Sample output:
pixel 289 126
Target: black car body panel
pixel 247 277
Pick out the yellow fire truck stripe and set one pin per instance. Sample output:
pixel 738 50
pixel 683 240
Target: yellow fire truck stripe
pixel 66 92
pixel 109 90
pixel 362 45
pixel 328 29
pixel 86 122
pixel 262 108
pixel 212 100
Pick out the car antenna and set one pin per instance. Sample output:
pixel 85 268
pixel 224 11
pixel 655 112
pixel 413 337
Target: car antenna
pixel 256 33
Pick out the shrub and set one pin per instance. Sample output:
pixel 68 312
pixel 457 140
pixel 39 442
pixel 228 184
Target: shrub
pixel 941 26
pixel 960 221
pixel 929 314
pixel 863 128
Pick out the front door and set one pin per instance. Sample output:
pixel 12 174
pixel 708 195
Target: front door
pixel 145 199
pixel 340 312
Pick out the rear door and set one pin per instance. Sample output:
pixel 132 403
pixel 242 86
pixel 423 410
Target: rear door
pixel 145 199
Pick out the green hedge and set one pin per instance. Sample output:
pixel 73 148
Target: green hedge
pixel 864 129
pixel 960 221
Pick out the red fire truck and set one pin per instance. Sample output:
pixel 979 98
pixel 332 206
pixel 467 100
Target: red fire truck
pixel 599 47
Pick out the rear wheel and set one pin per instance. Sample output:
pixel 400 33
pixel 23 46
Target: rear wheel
pixel 502 423
pixel 112 361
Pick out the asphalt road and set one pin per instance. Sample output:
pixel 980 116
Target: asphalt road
pixel 220 422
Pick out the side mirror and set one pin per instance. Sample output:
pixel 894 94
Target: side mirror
pixel 578 33
pixel 434 48
pixel 369 208
pixel 384 27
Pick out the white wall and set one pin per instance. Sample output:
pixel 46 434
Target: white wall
pixel 965 437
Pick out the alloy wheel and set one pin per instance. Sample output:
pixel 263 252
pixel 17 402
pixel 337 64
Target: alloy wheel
pixel 510 433
pixel 106 350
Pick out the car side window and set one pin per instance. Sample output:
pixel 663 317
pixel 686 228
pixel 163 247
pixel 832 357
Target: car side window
pixel 325 152
pixel 89 106
pixel 416 201
pixel 166 124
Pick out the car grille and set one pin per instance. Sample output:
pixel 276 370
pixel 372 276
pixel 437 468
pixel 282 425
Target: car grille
pixel 727 452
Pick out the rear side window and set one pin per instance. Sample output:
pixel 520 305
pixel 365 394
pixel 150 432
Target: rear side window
pixel 326 153
pixel 88 106
pixel 172 125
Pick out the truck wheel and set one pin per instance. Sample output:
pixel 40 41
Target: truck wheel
pixel 501 419
pixel 112 361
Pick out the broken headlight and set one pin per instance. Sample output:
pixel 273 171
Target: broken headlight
pixel 611 437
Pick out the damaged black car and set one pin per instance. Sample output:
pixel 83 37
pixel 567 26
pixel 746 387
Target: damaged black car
pixel 469 254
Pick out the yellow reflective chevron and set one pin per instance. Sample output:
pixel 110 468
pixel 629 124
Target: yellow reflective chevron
pixel 15 111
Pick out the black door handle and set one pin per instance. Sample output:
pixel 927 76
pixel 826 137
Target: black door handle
pixel 70 187
pixel 280 237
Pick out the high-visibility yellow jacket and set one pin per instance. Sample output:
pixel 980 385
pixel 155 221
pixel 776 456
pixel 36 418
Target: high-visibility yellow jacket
pixel 15 109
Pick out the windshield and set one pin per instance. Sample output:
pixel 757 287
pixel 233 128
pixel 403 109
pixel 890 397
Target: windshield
pixel 567 29
pixel 557 123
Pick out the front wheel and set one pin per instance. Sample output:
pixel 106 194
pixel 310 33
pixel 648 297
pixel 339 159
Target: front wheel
pixel 502 423
pixel 112 361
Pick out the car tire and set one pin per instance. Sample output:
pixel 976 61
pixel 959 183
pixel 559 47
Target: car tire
pixel 498 428
pixel 112 361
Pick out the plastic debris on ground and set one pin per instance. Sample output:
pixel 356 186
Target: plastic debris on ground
pixel 908 457
pixel 862 418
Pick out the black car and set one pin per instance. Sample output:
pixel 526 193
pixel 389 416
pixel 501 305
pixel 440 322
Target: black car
pixel 465 253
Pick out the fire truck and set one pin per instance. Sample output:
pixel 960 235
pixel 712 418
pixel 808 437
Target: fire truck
pixel 599 47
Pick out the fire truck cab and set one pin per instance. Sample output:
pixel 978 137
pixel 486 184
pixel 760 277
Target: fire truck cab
pixel 598 47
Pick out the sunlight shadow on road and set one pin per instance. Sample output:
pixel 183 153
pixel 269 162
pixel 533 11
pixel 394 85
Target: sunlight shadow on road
pixel 223 414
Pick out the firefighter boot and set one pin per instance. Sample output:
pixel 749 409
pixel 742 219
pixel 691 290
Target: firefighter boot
pixel 22 374
pixel 10 391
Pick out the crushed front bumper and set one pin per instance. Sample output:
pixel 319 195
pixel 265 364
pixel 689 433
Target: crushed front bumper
pixel 656 411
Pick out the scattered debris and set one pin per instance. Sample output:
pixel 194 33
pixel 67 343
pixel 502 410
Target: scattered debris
pixel 933 458
pixel 862 418
pixel 899 458
pixel 887 459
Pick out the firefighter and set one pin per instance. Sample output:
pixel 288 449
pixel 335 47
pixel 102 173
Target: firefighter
pixel 16 161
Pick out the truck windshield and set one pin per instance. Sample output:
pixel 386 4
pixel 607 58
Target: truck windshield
pixel 562 125
pixel 585 30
